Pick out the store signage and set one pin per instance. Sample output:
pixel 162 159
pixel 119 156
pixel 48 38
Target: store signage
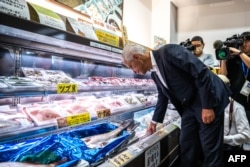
pixel 107 38
pixel 103 113
pixel 73 23
pixel 82 28
pixel 74 120
pixel 67 88
pixel 87 29
pixel 152 156
pixel 17 8
pixel 47 17
pixel 121 159
pixel 124 35
pixel 100 11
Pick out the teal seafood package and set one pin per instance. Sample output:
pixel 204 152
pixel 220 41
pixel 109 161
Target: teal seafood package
pixel 72 145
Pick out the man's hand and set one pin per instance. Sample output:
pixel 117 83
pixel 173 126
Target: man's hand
pixel 207 116
pixel 151 128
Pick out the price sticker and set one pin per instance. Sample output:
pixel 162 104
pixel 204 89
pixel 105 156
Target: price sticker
pixel 67 88
pixel 74 120
pixel 121 159
pixel 103 113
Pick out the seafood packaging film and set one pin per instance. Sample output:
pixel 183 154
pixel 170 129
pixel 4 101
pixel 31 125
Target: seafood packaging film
pixel 44 114
pixel 116 104
pixel 71 108
pixel 132 100
pixel 36 74
pixel 93 105
pixel 47 77
pixel 21 82
pixel 3 84
pixel 12 119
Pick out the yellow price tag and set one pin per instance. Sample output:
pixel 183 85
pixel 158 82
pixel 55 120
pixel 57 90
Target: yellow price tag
pixel 103 113
pixel 74 120
pixel 107 38
pixel 67 88
pixel 121 159
pixel 78 119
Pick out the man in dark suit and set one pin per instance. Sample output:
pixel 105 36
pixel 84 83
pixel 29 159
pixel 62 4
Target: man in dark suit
pixel 199 96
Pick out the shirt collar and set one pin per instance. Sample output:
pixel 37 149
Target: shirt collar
pixel 154 65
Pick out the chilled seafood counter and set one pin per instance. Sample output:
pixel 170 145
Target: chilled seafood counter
pixel 95 144
pixel 90 144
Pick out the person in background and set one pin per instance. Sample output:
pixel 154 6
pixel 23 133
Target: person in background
pixel 237 71
pixel 198 95
pixel 206 58
pixel 236 125
pixel 71 67
pixel 43 61
pixel 7 63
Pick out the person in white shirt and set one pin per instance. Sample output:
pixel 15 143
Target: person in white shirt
pixel 236 128
pixel 236 125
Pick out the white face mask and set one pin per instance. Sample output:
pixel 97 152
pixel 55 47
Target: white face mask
pixel 198 50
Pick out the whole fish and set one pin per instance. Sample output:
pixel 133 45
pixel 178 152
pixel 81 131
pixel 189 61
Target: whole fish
pixel 101 140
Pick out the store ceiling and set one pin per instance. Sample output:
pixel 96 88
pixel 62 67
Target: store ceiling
pixel 183 3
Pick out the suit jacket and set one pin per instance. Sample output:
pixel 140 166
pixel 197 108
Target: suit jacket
pixel 186 77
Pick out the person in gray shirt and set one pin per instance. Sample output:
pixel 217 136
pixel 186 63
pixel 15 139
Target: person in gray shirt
pixel 206 58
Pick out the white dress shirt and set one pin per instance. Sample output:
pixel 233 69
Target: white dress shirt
pixel 240 130
pixel 156 69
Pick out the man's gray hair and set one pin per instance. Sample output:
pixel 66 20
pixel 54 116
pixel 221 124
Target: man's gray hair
pixel 130 49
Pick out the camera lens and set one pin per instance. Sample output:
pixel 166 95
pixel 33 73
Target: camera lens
pixel 222 54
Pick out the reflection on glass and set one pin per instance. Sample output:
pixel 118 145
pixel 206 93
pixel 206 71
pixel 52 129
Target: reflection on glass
pixel 7 63
pixel 75 67
pixel 48 61
pixel 72 67
pixel 43 61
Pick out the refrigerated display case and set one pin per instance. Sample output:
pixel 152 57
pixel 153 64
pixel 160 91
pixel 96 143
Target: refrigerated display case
pixel 60 83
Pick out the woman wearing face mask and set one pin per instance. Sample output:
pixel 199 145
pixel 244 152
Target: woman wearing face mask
pixel 206 58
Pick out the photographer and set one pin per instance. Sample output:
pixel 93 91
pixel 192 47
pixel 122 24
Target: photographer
pixel 237 70
pixel 206 58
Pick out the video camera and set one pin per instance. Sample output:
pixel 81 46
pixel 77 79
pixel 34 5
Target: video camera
pixel 187 44
pixel 222 51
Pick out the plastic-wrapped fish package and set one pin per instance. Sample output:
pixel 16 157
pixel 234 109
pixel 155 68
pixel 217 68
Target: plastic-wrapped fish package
pixel 43 114
pixel 12 120
pixel 145 117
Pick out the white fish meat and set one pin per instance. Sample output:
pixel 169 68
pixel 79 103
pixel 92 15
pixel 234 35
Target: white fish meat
pixel 101 140
pixel 8 125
